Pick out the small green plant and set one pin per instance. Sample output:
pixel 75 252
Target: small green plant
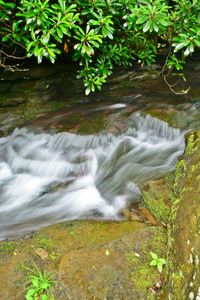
pixel 158 262
pixel 39 284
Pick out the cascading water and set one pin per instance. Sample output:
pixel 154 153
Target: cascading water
pixel 46 179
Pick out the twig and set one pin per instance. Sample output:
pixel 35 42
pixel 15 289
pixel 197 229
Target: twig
pixel 165 67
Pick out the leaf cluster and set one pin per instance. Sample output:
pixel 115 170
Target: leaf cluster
pixel 157 262
pixel 102 33
pixel 39 284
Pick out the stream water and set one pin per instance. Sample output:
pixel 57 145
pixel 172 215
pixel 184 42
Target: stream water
pixel 47 176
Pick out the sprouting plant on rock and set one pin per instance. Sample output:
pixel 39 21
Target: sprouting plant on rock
pixel 39 284
pixel 157 261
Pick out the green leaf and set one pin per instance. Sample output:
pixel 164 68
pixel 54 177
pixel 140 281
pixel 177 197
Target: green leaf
pixel 39 22
pixel 197 42
pixel 142 19
pixel 39 59
pixel 45 285
pixel 155 27
pixel 5 38
pixel 29 297
pixel 51 53
pixel 59 32
pixel 187 51
pixel 160 267
pixel 35 282
pixel 146 26
pixel 52 59
pixel 45 38
pixel 180 45
pixel 162 261
pixel 153 255
pixel 44 297
pixel 164 22
pixel 87 91
pixel 107 253
pixel 153 263
pixel 30 294
pixel 63 28
pixel 109 34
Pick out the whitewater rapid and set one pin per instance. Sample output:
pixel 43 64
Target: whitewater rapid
pixel 49 178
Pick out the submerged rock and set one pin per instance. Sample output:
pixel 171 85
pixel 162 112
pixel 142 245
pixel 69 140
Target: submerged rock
pixel 145 75
pixel 11 100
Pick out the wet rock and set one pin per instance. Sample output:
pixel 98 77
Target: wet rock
pixel 41 71
pixel 149 217
pixel 9 121
pixel 195 100
pixel 4 87
pixel 132 215
pixel 146 75
pixel 12 100
pixel 186 211
pixel 27 73
pixel 12 76
pixel 196 67
pixel 41 253
pixel 104 272
pixel 98 260
pixel 150 68
pixel 122 77
pixel 90 273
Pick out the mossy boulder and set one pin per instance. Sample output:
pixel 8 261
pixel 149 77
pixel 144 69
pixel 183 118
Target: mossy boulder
pixel 184 274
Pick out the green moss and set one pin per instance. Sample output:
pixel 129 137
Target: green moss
pixel 198 225
pixel 190 148
pixel 158 242
pixel 30 115
pixel 179 172
pixel 144 279
pixel 154 201
pixel 92 126
pixel 143 275
pixel 42 241
pixel 178 286
pixel 66 225
pixel 7 247
pixel 184 192
pixel 30 110
pixel 169 117
pixel 131 257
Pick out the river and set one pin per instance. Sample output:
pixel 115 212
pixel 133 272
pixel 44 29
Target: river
pixel 64 156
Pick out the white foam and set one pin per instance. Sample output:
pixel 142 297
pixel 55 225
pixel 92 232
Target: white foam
pixel 46 179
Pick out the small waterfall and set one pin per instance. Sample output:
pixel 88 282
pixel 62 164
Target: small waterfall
pixel 46 179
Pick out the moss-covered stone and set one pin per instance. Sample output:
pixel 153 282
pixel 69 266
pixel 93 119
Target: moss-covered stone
pixel 144 276
pixel 42 240
pixel 7 248
pixel 184 273
pixel 156 200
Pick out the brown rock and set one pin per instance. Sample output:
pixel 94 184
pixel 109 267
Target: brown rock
pixel 41 253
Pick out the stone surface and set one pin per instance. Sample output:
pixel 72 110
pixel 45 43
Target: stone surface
pixel 78 251
pixel 93 260
pixel 104 272
pixel 185 275
pixel 41 253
